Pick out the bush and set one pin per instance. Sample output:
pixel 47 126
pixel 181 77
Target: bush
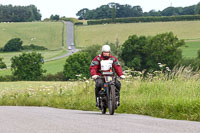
pixel 73 20
pixel 53 77
pixel 2 64
pixel 93 50
pixel 7 78
pixel 14 44
pixel 1 49
pixel 77 66
pixel 79 23
pixel 146 52
pixel 27 66
pixel 33 47
pixel 145 19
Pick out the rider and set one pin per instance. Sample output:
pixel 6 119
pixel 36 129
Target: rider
pixel 96 66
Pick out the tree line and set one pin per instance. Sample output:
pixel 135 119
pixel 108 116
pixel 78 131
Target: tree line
pixel 141 53
pixel 9 13
pixel 115 10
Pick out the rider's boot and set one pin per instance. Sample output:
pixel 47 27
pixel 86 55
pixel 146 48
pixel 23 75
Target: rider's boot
pixel 118 99
pixel 96 97
pixel 118 102
pixel 97 101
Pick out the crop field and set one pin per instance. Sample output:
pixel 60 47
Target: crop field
pixel 99 34
pixel 173 99
pixel 47 34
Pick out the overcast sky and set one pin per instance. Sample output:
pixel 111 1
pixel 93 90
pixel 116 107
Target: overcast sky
pixel 69 8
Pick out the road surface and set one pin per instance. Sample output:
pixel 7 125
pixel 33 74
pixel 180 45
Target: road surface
pixel 52 120
pixel 70 42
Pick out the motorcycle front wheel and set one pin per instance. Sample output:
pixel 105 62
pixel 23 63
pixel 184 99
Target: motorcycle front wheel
pixel 111 100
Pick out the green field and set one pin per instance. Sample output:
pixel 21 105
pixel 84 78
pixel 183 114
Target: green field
pixel 46 54
pixel 99 34
pixel 47 34
pixel 190 50
pixel 53 67
pixel 173 99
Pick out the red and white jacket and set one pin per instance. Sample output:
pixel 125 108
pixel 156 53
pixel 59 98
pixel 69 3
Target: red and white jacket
pixel 96 65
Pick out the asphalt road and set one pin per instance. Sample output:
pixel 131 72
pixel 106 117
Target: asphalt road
pixel 52 120
pixel 70 42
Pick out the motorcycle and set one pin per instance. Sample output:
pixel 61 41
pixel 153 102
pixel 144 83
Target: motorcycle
pixel 107 95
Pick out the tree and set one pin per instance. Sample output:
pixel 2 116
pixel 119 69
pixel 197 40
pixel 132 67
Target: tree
pixel 133 53
pixel 9 13
pixel 153 13
pixel 188 10
pixel 82 13
pixel 170 11
pixel 163 48
pixel 197 9
pixel 2 64
pixel 93 50
pixel 77 64
pixel 146 52
pixel 14 44
pixel 111 10
pixel 55 17
pixel 27 66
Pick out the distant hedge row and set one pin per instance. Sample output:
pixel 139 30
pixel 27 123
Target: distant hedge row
pixel 78 23
pixel 145 19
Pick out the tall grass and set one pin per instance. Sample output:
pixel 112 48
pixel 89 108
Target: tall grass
pixel 177 97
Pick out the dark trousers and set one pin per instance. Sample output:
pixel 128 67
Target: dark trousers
pixel 100 84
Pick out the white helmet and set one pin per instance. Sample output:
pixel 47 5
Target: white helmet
pixel 106 48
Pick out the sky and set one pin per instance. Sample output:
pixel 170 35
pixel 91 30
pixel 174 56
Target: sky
pixel 69 8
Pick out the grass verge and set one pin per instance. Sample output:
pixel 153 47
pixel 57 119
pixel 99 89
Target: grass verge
pixel 173 99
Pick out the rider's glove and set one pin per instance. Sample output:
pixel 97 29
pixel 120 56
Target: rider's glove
pixel 95 76
pixel 122 77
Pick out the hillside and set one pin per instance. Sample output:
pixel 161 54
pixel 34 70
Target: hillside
pixel 99 34
pixel 47 34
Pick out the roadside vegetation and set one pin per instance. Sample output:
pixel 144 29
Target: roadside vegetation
pixel 175 98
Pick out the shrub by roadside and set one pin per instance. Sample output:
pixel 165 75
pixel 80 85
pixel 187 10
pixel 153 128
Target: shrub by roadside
pixel 2 64
pixel 53 77
pixel 27 66
pixel 77 66
pixel 33 47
